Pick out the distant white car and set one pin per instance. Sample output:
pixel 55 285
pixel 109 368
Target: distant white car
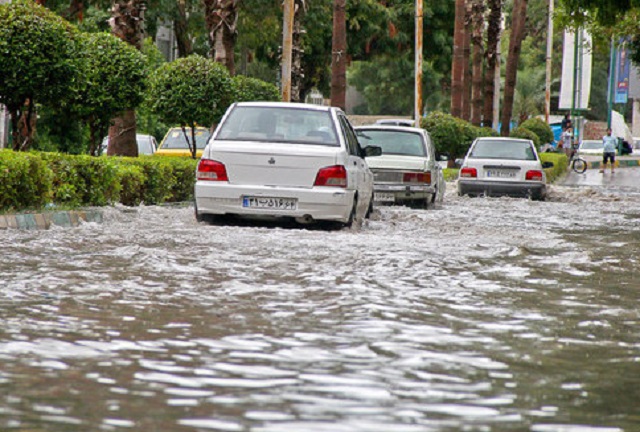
pixel 147 144
pixel 407 172
pixel 591 148
pixel 497 166
pixel 396 122
pixel 279 160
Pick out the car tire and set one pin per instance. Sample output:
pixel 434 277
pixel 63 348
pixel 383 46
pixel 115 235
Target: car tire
pixel 353 215
pixel 369 209
pixel 203 217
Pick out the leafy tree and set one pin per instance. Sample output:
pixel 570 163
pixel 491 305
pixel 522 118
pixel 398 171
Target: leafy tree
pixel 112 80
pixel 452 136
pixel 36 63
pixel 190 91
pixel 253 89
pixel 522 132
pixel 540 128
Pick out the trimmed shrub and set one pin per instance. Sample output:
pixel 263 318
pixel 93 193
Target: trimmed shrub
pixel 560 164
pixel 540 128
pixel 83 180
pixel 184 172
pixel 451 135
pixel 132 183
pixel 253 89
pixel 521 132
pixel 25 181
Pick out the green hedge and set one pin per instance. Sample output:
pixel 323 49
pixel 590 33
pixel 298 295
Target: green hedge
pixel 34 179
pixel 560 164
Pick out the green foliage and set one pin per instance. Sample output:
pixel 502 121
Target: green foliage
pixel 253 89
pixel 560 164
pixel 113 80
pixel 32 180
pixel 190 91
pixel 451 135
pixel 522 132
pixel 83 180
pixel 25 181
pixel 36 55
pixel 540 128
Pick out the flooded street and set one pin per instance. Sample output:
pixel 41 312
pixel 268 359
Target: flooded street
pixel 480 315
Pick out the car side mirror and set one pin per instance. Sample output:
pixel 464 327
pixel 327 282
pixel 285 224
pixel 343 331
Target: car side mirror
pixel 546 165
pixel 372 151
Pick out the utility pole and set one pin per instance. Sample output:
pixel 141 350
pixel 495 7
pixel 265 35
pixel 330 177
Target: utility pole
pixel 339 55
pixel 287 48
pixel 547 93
pixel 612 77
pixel 418 65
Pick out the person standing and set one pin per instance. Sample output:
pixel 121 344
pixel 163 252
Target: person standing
pixel 609 143
pixel 567 140
pixel 566 120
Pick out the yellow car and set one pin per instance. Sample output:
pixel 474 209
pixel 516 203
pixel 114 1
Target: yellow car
pixel 175 144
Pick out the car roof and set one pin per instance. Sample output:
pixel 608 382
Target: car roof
pixel 503 139
pixel 295 105
pixel 390 128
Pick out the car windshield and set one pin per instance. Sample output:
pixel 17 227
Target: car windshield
pixel 393 142
pixel 503 149
pixel 592 145
pixel 279 124
pixel 175 139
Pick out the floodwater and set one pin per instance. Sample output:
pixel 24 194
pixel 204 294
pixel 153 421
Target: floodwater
pixel 480 315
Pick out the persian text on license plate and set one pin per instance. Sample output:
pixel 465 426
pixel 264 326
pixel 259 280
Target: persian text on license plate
pixel 383 197
pixel 501 173
pixel 270 203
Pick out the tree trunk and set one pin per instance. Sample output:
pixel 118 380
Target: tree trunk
pixel 222 18
pixel 122 135
pixel 339 55
pixel 477 18
pixel 491 55
pixel 457 65
pixel 297 73
pixel 180 28
pixel 127 23
pixel 518 18
pixel 466 54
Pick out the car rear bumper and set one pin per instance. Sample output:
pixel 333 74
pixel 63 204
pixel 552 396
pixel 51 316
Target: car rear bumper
pixel 490 188
pixel 319 203
pixel 402 192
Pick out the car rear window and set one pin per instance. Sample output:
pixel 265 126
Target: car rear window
pixel 503 149
pixel 393 142
pixel 279 124
pixel 175 139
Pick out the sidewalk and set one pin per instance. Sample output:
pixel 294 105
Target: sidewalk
pixel 626 161
pixel 32 221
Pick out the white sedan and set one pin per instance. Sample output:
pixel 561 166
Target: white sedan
pixel 591 148
pixel 407 172
pixel 497 166
pixel 284 161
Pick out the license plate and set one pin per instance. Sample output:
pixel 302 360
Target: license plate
pixel 384 197
pixel 501 173
pixel 270 203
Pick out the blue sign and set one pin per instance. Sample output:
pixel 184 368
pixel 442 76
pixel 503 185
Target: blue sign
pixel 622 74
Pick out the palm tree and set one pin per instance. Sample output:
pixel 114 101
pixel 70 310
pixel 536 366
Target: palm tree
pixel 457 64
pixel 477 27
pixel 518 17
pixel 127 23
pixel 494 28
pixel 529 94
pixel 222 19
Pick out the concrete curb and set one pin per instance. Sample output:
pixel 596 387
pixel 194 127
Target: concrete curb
pixel 33 221
pixel 620 163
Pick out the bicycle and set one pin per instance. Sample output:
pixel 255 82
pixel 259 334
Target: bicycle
pixel 577 164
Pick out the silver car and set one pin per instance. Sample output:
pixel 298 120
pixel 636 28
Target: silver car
pixel 276 160
pixel 407 172
pixel 497 166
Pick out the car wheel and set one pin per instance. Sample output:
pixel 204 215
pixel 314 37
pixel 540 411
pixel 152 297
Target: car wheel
pixel 353 214
pixel 203 217
pixel 369 209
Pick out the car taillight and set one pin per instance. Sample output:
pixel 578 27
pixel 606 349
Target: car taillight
pixel 535 175
pixel 211 170
pixel 468 172
pixel 423 177
pixel 335 176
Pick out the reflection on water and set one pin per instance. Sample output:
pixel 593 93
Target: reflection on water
pixel 484 314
